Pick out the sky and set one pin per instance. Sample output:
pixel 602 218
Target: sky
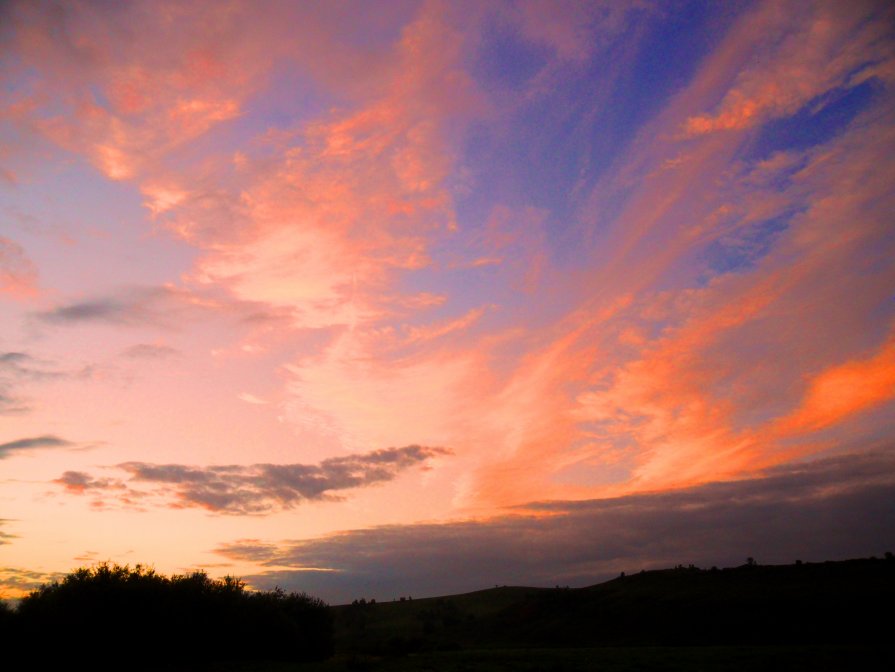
pixel 386 298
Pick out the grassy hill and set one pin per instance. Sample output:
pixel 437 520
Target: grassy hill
pixel 842 603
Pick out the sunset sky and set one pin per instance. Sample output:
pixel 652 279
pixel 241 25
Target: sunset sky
pixel 380 298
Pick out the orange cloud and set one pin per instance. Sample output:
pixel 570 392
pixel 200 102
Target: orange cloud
pixel 809 50
pixel 844 390
pixel 326 216
pixel 686 385
pixel 642 367
pixel 126 98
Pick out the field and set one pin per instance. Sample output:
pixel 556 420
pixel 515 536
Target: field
pixel 603 659
pixel 830 616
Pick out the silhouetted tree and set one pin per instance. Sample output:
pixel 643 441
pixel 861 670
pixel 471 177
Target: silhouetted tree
pixel 109 611
pixel 6 616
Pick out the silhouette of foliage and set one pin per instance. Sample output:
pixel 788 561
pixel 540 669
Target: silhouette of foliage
pixel 137 616
pixel 6 616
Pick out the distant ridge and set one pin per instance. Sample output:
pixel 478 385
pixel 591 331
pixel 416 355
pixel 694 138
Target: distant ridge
pixel 800 604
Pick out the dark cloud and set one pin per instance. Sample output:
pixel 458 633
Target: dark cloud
pixel 78 481
pixel 149 351
pixel 833 509
pixel 13 365
pixel 90 310
pixel 252 489
pixel 269 316
pixel 23 366
pixel 250 549
pixel 5 536
pixel 165 307
pixel 143 305
pixel 32 443
pixel 11 405
pixel 21 581
pixel 20 368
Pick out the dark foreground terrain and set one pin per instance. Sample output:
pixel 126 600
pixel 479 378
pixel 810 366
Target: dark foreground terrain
pixel 813 603
pixel 807 616
pixel 817 616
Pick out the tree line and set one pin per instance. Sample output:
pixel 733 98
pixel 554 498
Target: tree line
pixel 113 615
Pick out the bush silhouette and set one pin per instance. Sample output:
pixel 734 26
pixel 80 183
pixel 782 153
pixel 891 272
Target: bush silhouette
pixel 109 611
pixel 6 616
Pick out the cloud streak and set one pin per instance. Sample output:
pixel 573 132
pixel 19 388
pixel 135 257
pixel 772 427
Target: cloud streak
pixel 809 61
pixel 18 370
pixel 18 275
pixel 719 272
pixel 149 351
pixel 595 249
pixel 5 537
pixel 244 490
pixel 155 306
pixel 17 582
pixel 32 443
pixel 831 509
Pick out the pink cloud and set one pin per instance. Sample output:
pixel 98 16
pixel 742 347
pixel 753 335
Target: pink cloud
pixel 844 390
pixel 680 386
pixel 124 97
pixel 18 275
pixel 430 332
pixel 320 219
pixel 569 27
pixel 808 50
pixel 325 216
pixel 645 358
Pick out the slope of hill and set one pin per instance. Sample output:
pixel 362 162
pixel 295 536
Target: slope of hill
pixel 847 602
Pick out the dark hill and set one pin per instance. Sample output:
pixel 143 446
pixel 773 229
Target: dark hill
pixel 847 602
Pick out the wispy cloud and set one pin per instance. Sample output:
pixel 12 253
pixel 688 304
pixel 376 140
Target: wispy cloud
pixel 134 306
pixel 32 443
pixel 252 489
pixel 18 275
pixel 5 536
pixel 16 582
pixel 148 106
pixel 595 248
pixel 19 366
pixel 251 399
pixel 831 509
pixel 18 370
pixel 807 60
pixel 706 308
pixel 149 351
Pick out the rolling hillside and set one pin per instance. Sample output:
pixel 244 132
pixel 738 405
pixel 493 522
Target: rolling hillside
pixel 825 603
